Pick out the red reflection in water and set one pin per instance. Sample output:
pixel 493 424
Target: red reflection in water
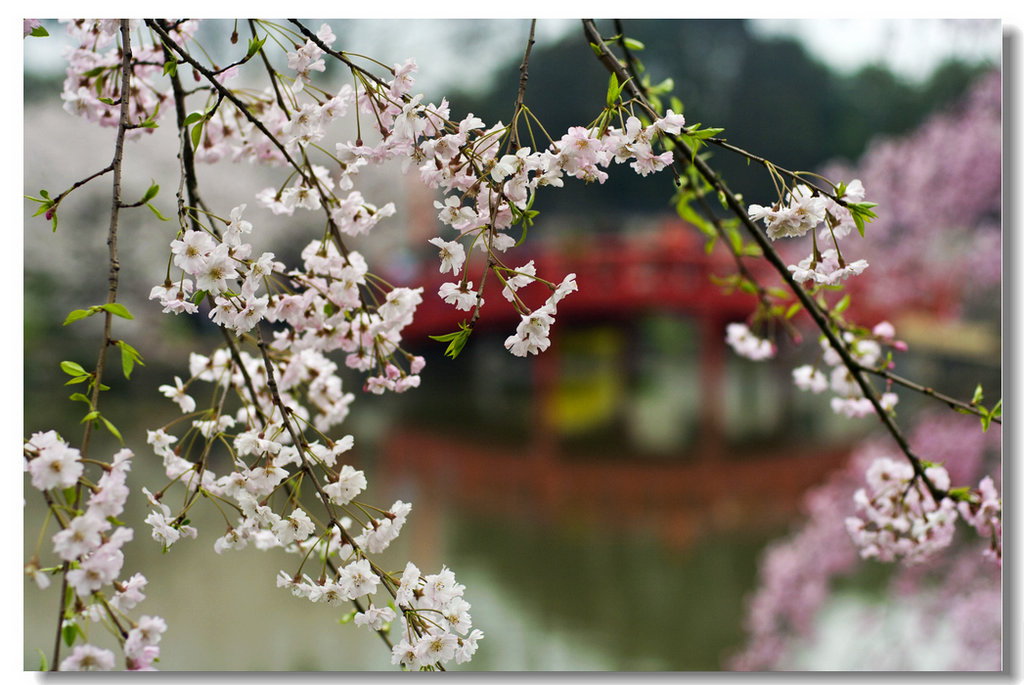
pixel 678 501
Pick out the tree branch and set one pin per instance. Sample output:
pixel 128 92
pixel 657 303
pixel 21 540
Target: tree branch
pixel 685 155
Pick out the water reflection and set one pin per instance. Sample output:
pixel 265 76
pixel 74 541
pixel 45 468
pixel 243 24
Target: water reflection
pixel 602 511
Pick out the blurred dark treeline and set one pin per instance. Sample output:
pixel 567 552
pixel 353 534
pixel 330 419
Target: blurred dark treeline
pixel 771 97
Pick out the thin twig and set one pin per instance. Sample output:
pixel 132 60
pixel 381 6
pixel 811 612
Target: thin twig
pixel 522 86
pixel 112 281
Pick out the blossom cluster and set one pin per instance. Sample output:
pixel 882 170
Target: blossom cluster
pixel 485 191
pixel 93 83
pixel 849 399
pixel 797 573
pixel 91 543
pixel 268 462
pixel 803 210
pixel 743 341
pixel 984 511
pixel 899 517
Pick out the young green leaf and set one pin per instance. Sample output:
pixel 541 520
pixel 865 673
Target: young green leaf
pixel 39 32
pixel 633 44
pixel 129 357
pixel 72 369
pixel 151 192
pixel 157 212
pixel 112 429
pixel 69 632
pixel 196 134
pixel 613 90
pixel 77 314
pixel 117 309
pixel 255 46
pixel 456 341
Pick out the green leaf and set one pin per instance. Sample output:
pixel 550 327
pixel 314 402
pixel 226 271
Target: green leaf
pixel 70 495
pixel 79 397
pixel 596 49
pixel 129 357
pixel 842 304
pixel 170 68
pixel 632 44
pixel 193 118
pixel 962 494
pixel 978 397
pixel 987 416
pixel 39 32
pixel 346 618
pixel 107 101
pixel 613 90
pixel 112 429
pixel 861 213
pixel 77 314
pixel 157 212
pixel 456 341
pixel 42 656
pixel 90 416
pixel 127 363
pixel 73 369
pixel 665 86
pixel 78 379
pixel 117 309
pixel 44 207
pixel 255 46
pixel 151 193
pixel 197 133
pixel 793 309
pixel 69 632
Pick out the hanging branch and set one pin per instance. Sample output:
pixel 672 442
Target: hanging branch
pixel 684 155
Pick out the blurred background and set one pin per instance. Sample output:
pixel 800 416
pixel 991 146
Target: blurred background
pixel 606 503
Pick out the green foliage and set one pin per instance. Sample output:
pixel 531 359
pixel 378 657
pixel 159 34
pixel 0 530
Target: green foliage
pixel 114 308
pixel 985 414
pixel 456 341
pixel 47 206
pixel 862 214
pixel 70 632
pixel 129 358
pixel 614 90
pixel 255 45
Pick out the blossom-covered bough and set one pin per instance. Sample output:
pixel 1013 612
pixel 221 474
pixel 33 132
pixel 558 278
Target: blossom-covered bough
pixel 275 394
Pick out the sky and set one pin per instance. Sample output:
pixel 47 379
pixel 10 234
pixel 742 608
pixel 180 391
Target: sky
pixel 911 47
